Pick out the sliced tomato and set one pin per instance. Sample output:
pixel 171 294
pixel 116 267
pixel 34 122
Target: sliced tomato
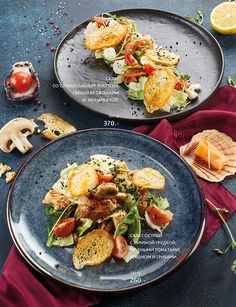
pixel 104 177
pixel 158 216
pixel 65 227
pixel 101 21
pixel 130 59
pixel 148 68
pixel 120 249
pixel 20 82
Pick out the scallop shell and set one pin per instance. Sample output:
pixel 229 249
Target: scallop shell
pixel 223 143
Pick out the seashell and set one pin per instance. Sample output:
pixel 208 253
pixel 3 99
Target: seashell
pixel 223 143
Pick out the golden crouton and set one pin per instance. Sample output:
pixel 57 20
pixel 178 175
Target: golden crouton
pixel 158 88
pixel 93 248
pixel 106 37
pixel 4 168
pixel 163 57
pixel 55 126
pixel 10 176
pixel 148 178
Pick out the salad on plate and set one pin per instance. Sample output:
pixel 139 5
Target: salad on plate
pixel 148 70
pixel 101 207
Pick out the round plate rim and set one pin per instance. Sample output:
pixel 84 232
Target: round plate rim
pixel 174 116
pixel 157 280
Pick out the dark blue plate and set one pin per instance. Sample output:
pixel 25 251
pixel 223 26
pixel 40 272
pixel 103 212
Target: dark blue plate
pixel 159 256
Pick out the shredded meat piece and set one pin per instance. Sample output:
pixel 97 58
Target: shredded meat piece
pixel 57 199
pixel 90 207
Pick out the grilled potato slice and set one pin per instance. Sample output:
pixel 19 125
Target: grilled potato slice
pixel 82 179
pixel 163 57
pixel 158 88
pixel 92 249
pixel 106 37
pixel 148 178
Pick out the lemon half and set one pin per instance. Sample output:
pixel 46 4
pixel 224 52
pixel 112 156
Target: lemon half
pixel 223 18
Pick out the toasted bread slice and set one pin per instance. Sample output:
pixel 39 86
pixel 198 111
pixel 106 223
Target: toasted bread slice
pixel 163 57
pixel 92 249
pixel 55 126
pixel 148 178
pixel 158 88
pixel 106 37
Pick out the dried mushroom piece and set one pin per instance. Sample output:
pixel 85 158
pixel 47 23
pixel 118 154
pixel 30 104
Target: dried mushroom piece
pixel 211 154
pixel 14 135
pixel 55 126
pixel 4 168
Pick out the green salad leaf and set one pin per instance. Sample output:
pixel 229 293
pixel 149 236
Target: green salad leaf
pixel 132 223
pixel 86 224
pixel 230 81
pixel 62 242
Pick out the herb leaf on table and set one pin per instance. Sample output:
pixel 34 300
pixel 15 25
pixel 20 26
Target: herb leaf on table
pixel 199 18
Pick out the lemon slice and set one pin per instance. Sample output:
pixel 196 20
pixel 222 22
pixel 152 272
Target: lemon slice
pixel 223 18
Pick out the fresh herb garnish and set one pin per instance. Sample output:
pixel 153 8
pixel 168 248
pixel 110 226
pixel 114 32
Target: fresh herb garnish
pixel 232 244
pixel 183 76
pixel 199 18
pixel 231 81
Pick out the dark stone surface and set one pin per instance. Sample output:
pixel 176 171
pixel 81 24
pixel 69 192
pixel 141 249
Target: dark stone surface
pixel 206 280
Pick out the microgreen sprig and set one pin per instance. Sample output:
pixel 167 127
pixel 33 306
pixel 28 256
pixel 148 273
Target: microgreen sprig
pixel 231 82
pixel 199 18
pixel 232 244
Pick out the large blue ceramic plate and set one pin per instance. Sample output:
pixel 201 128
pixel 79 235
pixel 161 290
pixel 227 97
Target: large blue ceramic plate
pixel 159 256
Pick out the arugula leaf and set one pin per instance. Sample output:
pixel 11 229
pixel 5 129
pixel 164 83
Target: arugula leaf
pixel 132 219
pixel 51 239
pixel 230 81
pixel 87 223
pixel 199 18
pixel 183 76
pixel 62 242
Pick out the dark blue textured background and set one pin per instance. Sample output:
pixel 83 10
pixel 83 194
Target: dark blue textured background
pixel 27 32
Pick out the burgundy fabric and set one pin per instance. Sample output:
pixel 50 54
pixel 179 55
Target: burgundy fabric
pixel 219 113
pixel 22 286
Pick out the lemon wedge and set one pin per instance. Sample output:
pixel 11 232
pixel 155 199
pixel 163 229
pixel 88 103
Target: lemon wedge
pixel 223 18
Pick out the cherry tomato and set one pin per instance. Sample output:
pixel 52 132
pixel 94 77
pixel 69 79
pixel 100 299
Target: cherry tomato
pixel 158 216
pixel 179 85
pixel 120 249
pixel 20 82
pixel 148 68
pixel 104 177
pixel 142 43
pixel 65 227
pixel 130 59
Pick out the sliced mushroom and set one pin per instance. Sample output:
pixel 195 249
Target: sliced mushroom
pixel 120 196
pixel 14 135
pixel 106 190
